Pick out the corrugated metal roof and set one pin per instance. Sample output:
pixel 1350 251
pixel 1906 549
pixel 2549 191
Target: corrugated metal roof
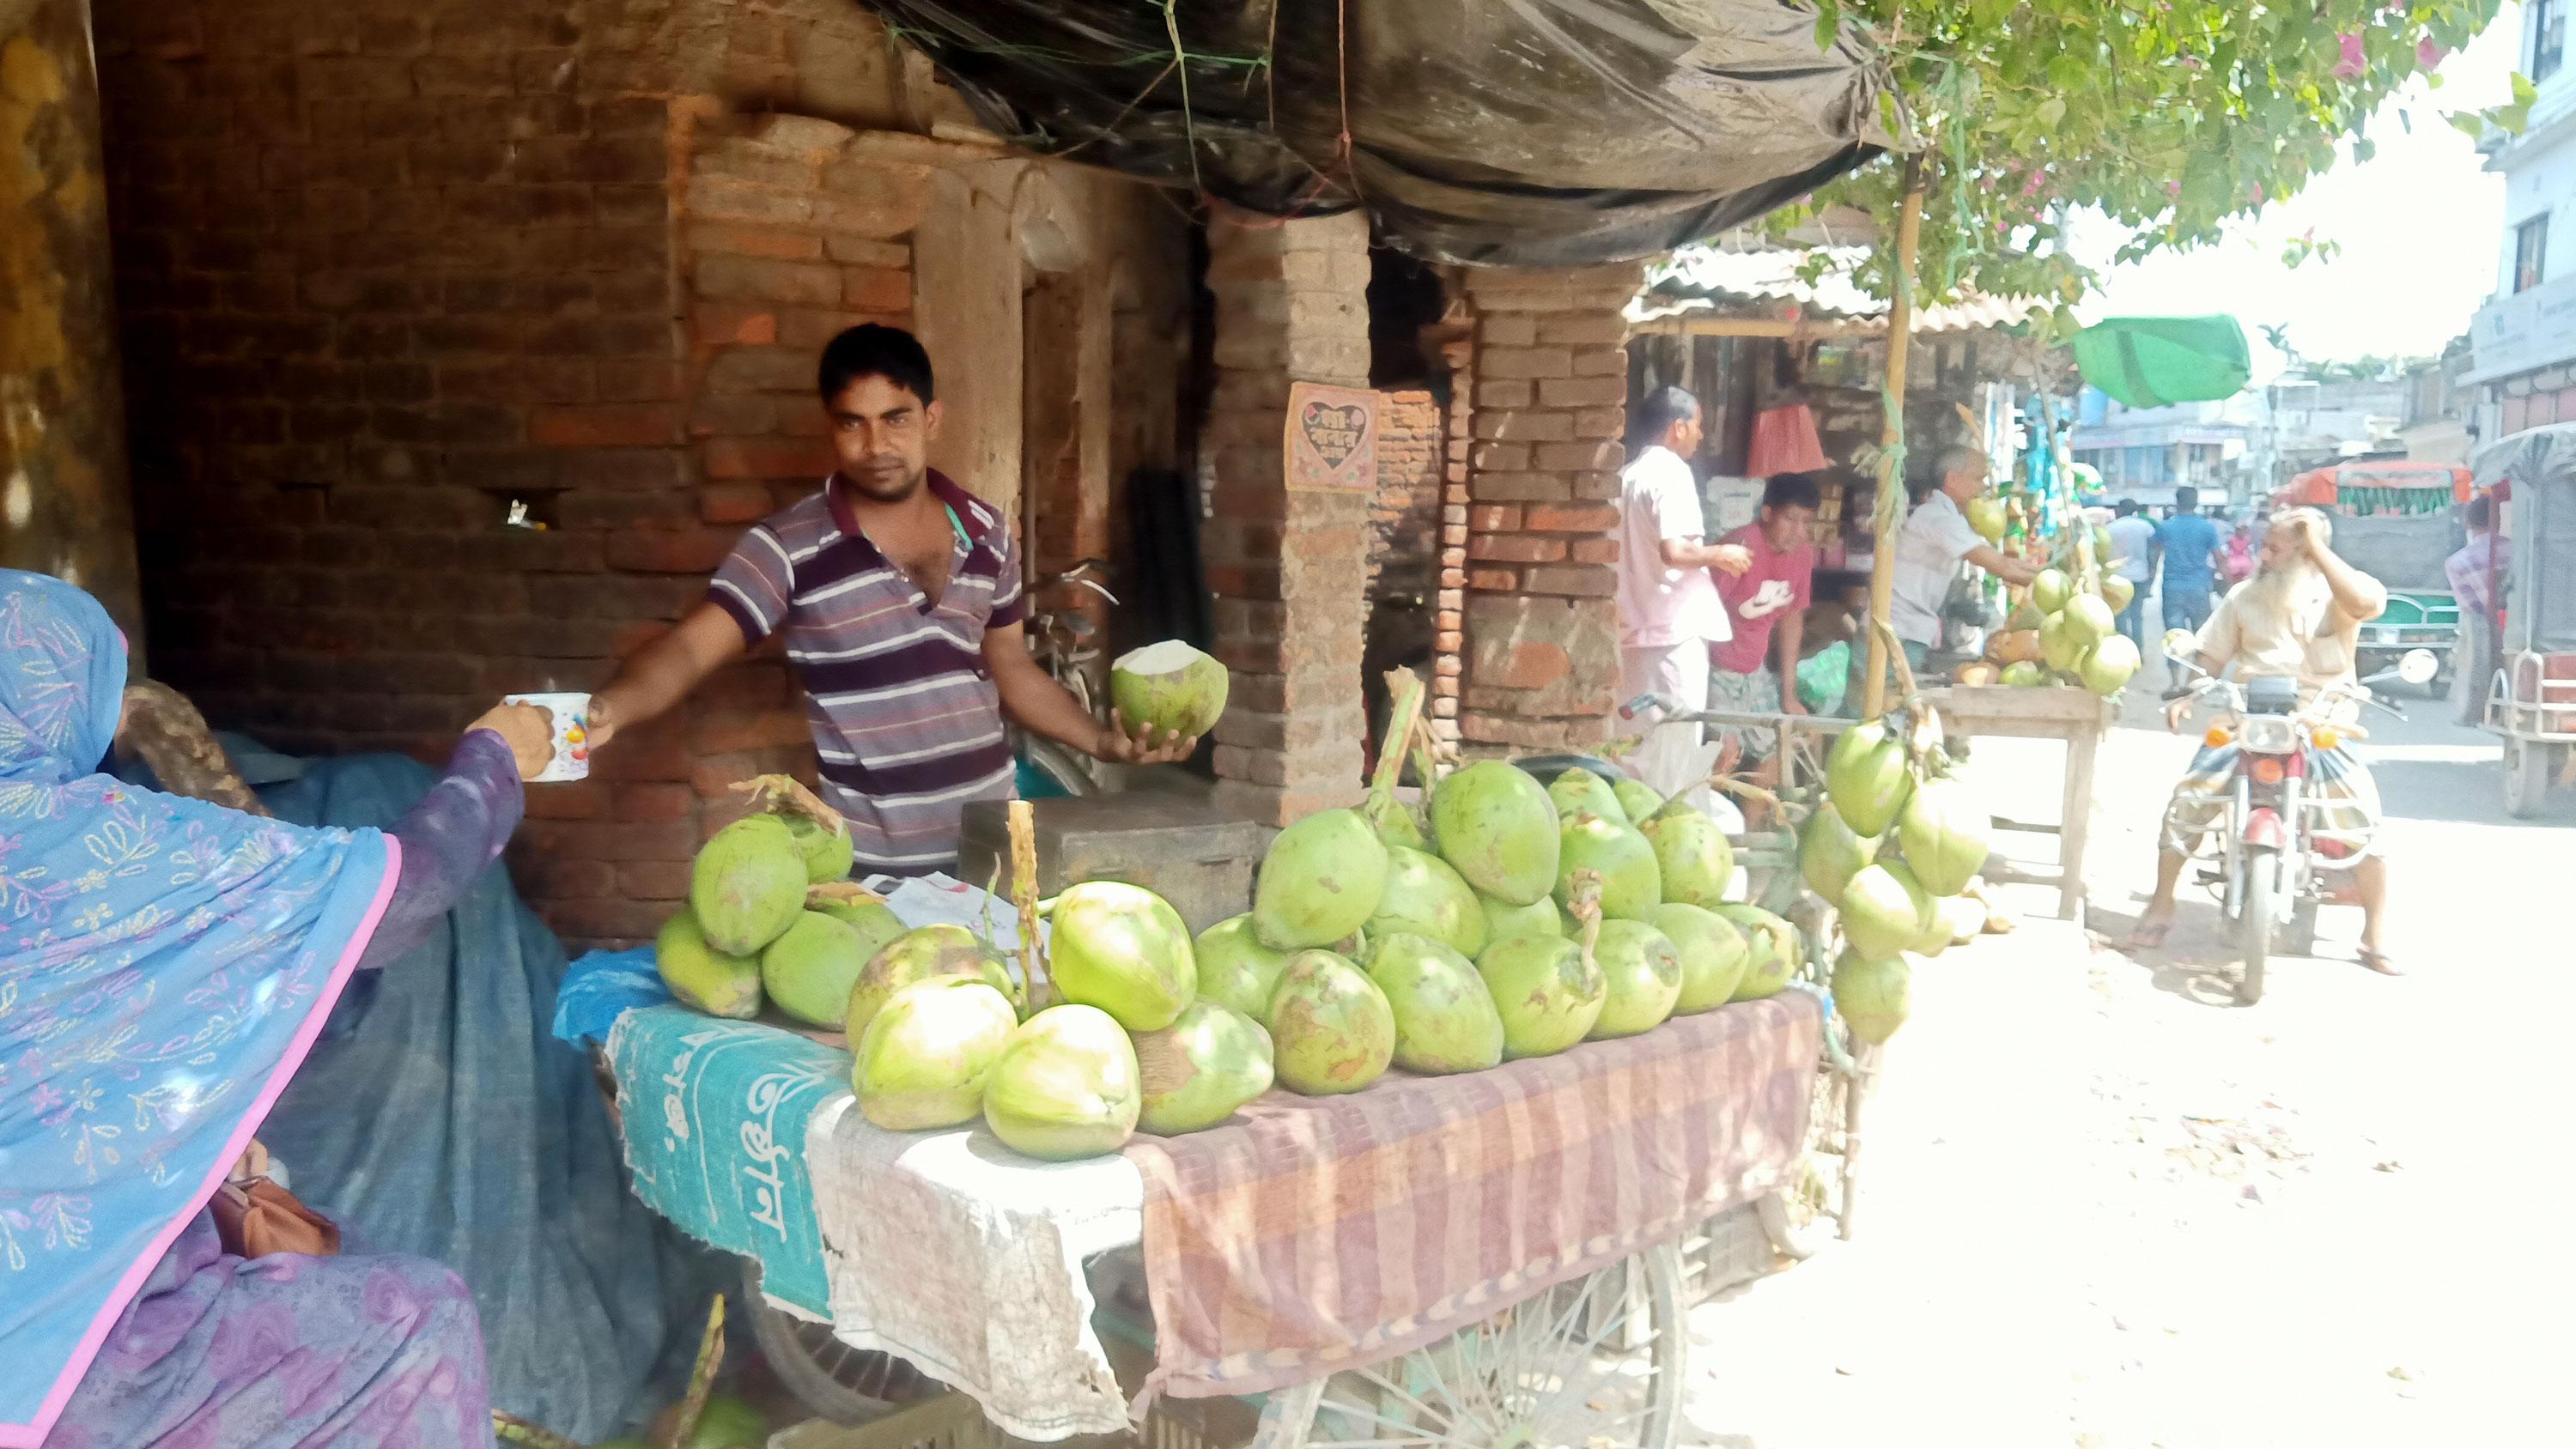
pixel 1766 281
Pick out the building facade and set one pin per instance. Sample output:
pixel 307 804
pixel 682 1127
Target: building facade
pixel 2524 339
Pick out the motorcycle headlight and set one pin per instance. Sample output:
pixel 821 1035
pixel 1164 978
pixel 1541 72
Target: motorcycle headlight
pixel 2269 735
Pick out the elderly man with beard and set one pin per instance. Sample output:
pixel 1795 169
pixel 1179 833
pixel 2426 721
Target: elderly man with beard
pixel 2299 616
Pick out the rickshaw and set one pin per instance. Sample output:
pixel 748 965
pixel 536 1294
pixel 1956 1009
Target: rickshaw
pixel 2531 699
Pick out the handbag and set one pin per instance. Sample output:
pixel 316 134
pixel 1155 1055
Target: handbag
pixel 254 1217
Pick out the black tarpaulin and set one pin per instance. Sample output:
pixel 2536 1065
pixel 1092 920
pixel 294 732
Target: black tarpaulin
pixel 1495 132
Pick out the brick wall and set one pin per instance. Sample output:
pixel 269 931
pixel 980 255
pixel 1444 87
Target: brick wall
pixel 386 268
pixel 1540 630
pixel 1404 519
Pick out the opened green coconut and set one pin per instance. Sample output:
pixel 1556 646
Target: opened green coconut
pixel 1196 1072
pixel 1496 824
pixel 701 977
pixel 1444 1020
pixel 1426 896
pixel 923 1059
pixel 1320 881
pixel 1065 1085
pixel 1123 949
pixel 1331 1029
pixel 1235 969
pixel 1174 688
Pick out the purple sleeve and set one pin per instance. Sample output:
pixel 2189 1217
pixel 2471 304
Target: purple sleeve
pixel 455 831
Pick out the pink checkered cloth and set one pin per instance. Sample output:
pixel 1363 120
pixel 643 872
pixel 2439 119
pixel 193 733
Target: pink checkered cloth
pixel 1323 1233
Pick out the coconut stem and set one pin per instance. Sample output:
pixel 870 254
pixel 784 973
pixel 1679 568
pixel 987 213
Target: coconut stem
pixel 702 1379
pixel 1024 889
pixel 786 792
pixel 1406 687
pixel 1584 899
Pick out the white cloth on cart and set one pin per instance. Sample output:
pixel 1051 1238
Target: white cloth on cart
pixel 988 1249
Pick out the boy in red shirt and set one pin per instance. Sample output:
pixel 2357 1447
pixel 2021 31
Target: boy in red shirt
pixel 1767 604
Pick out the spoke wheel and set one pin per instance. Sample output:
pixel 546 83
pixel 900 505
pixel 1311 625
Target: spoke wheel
pixel 1592 1364
pixel 834 1381
pixel 2526 777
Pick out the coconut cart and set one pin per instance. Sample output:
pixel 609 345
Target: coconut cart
pixel 2531 698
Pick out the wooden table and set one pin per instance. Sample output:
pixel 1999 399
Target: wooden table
pixel 2047 712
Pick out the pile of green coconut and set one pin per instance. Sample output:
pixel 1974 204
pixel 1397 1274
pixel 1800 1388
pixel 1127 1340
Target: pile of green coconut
pixel 1497 919
pixel 1895 847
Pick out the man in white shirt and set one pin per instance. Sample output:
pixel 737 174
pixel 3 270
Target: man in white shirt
pixel 2133 540
pixel 1669 609
pixel 1929 548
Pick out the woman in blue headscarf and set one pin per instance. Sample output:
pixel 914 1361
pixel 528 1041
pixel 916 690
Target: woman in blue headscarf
pixel 165 963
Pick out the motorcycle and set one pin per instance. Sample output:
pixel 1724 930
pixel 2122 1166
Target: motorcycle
pixel 2271 869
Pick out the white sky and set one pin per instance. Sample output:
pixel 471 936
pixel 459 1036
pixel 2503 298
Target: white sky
pixel 2420 224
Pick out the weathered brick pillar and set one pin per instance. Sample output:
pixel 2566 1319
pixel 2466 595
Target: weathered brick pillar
pixel 1541 630
pixel 1288 569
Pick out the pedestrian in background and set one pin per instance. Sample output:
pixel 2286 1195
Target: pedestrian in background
pixel 2133 541
pixel 1669 609
pixel 2186 550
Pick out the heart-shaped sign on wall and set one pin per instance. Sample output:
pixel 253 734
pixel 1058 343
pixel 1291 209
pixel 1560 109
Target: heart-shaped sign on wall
pixel 1332 437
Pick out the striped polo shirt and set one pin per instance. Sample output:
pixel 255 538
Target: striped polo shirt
pixel 906 720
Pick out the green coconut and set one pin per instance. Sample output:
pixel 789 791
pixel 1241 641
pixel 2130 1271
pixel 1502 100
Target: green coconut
pixel 1199 1070
pixel 1320 881
pixel 1123 949
pixel 1172 687
pixel 809 969
pixel 1331 1029
pixel 1632 880
pixel 1638 800
pixel 1935 936
pixel 1401 827
pixel 725 1422
pixel 2107 668
pixel 1642 970
pixel 1885 911
pixel 1830 854
pixel 2117 591
pixel 828 853
pixel 875 921
pixel 1867 777
pixel 1943 831
pixel 1444 1020
pixel 934 950
pixel 1964 917
pixel 1875 997
pixel 1546 990
pixel 1426 896
pixel 1497 825
pixel 701 977
pixel 2024 674
pixel 1579 790
pixel 1714 955
pixel 2051 590
pixel 2089 617
pixel 1065 1085
pixel 1773 952
pixel 1542 917
pixel 1235 969
pixel 922 1061
pixel 1692 856
pixel 2061 644
pixel 747 885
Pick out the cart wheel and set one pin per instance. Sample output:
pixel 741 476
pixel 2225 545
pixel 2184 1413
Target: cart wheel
pixel 2302 940
pixel 2526 777
pixel 1558 1370
pixel 849 1386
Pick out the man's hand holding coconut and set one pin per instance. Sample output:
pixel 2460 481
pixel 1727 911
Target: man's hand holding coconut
pixel 900 598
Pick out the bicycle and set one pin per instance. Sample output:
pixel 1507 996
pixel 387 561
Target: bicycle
pixel 1062 640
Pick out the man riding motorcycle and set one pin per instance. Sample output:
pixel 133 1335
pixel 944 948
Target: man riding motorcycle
pixel 2300 616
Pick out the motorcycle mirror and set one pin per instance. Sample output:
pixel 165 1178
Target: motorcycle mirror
pixel 2418 666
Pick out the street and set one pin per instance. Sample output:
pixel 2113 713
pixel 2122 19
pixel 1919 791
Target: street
pixel 2103 1205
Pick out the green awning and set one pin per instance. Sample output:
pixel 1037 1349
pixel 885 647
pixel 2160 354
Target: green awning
pixel 2148 362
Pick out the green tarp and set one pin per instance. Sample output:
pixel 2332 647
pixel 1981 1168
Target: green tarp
pixel 2148 362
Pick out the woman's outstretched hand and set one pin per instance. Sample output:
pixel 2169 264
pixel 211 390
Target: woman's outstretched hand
pixel 528 729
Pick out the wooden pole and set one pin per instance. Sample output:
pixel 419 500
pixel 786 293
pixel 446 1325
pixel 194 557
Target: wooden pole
pixel 1891 475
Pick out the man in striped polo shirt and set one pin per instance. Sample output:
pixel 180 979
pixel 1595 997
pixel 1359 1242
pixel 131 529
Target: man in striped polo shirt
pixel 901 599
